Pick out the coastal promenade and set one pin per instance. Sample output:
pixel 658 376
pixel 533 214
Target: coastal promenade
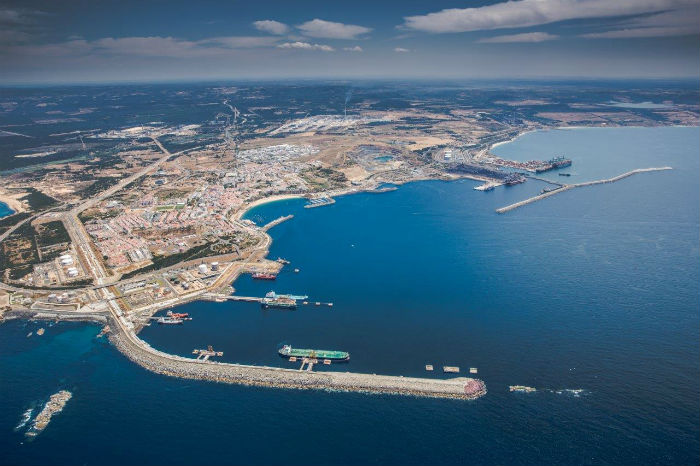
pixel 566 187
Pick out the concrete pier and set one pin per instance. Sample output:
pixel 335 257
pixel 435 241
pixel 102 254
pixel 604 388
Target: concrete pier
pixel 567 187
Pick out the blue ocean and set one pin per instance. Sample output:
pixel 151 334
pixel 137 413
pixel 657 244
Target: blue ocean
pixel 591 296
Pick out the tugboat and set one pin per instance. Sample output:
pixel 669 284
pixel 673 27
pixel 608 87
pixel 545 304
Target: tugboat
pixel 264 276
pixel 288 352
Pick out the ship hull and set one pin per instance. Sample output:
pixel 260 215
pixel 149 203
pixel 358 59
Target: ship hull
pixel 335 356
pixel 283 306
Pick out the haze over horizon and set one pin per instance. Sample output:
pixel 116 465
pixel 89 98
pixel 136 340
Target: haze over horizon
pixel 75 41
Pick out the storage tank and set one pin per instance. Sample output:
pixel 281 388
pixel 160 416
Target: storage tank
pixel 202 268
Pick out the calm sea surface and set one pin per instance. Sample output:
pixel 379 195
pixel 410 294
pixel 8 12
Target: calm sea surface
pixel 591 296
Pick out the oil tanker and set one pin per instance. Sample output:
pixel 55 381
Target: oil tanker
pixel 264 276
pixel 287 352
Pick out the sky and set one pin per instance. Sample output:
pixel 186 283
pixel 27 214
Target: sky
pixel 131 41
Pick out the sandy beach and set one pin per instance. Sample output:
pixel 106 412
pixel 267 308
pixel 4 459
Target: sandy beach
pixel 12 200
pixel 265 200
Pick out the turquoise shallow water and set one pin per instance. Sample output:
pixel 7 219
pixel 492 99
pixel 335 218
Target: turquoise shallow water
pixel 593 289
pixel 4 210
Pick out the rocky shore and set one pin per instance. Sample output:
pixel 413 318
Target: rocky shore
pixel 55 405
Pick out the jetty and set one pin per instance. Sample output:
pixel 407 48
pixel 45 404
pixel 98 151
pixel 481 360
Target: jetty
pixel 277 221
pixel 219 298
pixel 567 187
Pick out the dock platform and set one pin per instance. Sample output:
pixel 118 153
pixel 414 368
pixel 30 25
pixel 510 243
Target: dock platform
pixel 204 355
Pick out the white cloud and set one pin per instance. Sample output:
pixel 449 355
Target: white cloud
pixel 401 50
pixel 329 30
pixel 306 46
pixel 639 32
pixel 271 27
pixel 18 16
pixel 526 13
pixel 144 47
pixel 668 23
pixel 241 42
pixel 525 37
pixel 18 26
pixel 356 48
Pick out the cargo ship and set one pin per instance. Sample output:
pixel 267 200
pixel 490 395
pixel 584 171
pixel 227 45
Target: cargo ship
pixel 288 352
pixel 264 276
pixel 556 162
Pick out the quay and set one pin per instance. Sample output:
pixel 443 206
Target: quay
pixel 222 297
pixel 566 187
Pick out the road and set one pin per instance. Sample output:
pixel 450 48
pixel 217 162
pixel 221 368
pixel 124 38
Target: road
pixel 130 179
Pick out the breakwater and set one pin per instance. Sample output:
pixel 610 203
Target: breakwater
pixel 167 364
pixel 567 187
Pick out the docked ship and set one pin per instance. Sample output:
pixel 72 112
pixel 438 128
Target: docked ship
pixel 169 320
pixel 264 276
pixel 288 352
pixel 179 315
pixel 273 300
pixel 556 162
pixel 513 179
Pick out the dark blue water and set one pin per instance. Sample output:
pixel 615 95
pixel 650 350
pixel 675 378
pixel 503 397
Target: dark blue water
pixel 593 289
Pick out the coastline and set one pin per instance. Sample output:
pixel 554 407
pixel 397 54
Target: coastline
pixel 261 374
pixel 264 200
pixel 12 202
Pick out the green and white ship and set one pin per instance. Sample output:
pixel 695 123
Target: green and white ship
pixel 288 352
